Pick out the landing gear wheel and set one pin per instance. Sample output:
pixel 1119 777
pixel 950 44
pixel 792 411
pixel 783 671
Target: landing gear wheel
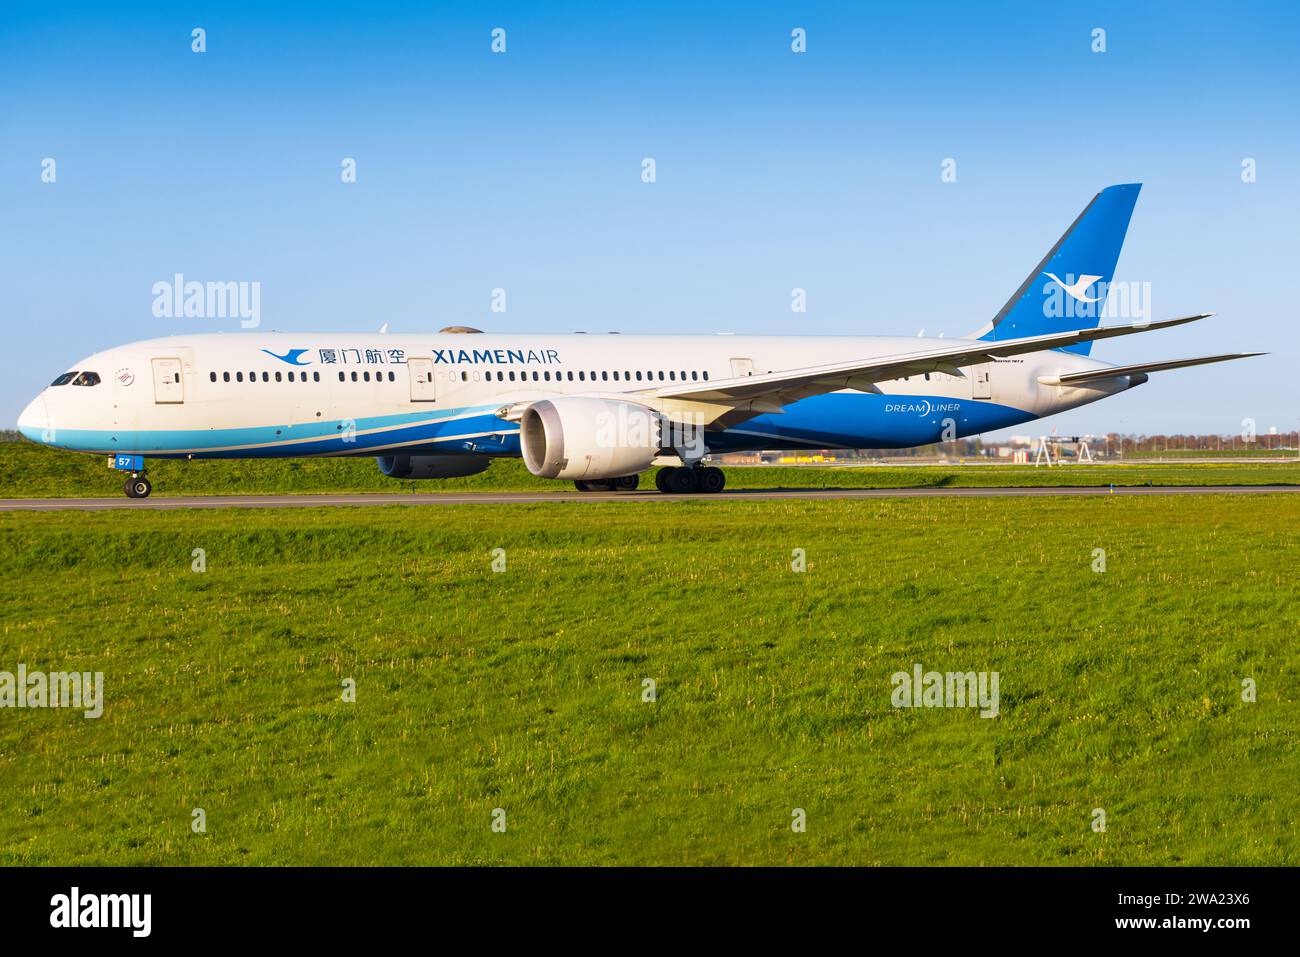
pixel 627 483
pixel 712 479
pixel 662 477
pixel 683 482
pixel 138 487
pixel 600 485
pixel 581 486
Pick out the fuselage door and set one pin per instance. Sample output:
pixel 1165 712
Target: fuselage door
pixel 421 373
pixel 742 367
pixel 167 385
pixel 982 381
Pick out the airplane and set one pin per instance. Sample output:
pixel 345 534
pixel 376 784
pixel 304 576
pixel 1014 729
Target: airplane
pixel 600 409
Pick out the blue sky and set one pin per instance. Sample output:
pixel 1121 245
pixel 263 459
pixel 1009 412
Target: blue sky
pixel 775 170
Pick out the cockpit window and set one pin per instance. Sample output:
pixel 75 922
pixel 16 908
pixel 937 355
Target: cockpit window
pixel 87 378
pixel 64 379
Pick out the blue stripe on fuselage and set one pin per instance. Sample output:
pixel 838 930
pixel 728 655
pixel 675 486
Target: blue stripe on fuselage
pixel 840 419
pixel 866 421
pixel 322 437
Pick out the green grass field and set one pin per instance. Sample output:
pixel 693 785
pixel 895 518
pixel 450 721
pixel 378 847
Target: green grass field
pixel 522 690
pixel 33 471
pixel 1250 452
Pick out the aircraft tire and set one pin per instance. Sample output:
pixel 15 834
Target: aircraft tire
pixel 712 479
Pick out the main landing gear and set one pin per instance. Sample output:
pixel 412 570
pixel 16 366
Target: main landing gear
pixel 137 486
pixel 672 480
pixel 687 481
pixel 624 483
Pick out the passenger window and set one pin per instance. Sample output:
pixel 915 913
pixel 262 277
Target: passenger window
pixel 392 376
pixel 604 376
pixel 354 377
pixel 239 377
pixel 342 377
pixel 366 376
pixel 212 377
pixel 315 377
pixel 706 375
pixel 277 377
pixel 291 376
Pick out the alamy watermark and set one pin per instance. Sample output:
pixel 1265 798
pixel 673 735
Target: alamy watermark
pixel 633 426
pixel 952 689
pixel 179 299
pixel 129 911
pixel 1087 297
pixel 80 690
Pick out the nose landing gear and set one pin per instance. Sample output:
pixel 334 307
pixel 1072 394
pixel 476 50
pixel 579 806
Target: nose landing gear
pixel 137 486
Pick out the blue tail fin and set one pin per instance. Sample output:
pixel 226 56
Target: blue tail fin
pixel 1068 289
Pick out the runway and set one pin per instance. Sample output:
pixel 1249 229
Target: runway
pixel 531 498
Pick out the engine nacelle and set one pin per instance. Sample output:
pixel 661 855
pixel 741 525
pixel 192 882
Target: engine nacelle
pixel 431 466
pixel 577 437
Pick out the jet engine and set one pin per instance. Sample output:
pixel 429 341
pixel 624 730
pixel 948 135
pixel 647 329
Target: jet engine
pixel 579 437
pixel 431 466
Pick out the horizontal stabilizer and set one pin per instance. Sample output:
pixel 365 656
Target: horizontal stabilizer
pixel 1111 372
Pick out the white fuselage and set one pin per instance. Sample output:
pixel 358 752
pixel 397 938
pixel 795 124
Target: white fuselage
pixel 285 394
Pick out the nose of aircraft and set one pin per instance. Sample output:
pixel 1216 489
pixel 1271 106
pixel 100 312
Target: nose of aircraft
pixel 35 421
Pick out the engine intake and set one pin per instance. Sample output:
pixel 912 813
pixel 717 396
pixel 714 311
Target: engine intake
pixel 578 437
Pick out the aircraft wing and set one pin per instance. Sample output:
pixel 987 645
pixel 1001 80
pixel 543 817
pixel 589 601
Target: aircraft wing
pixel 1092 375
pixel 768 392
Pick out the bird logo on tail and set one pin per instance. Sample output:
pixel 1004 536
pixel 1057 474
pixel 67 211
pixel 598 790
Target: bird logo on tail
pixel 1079 290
